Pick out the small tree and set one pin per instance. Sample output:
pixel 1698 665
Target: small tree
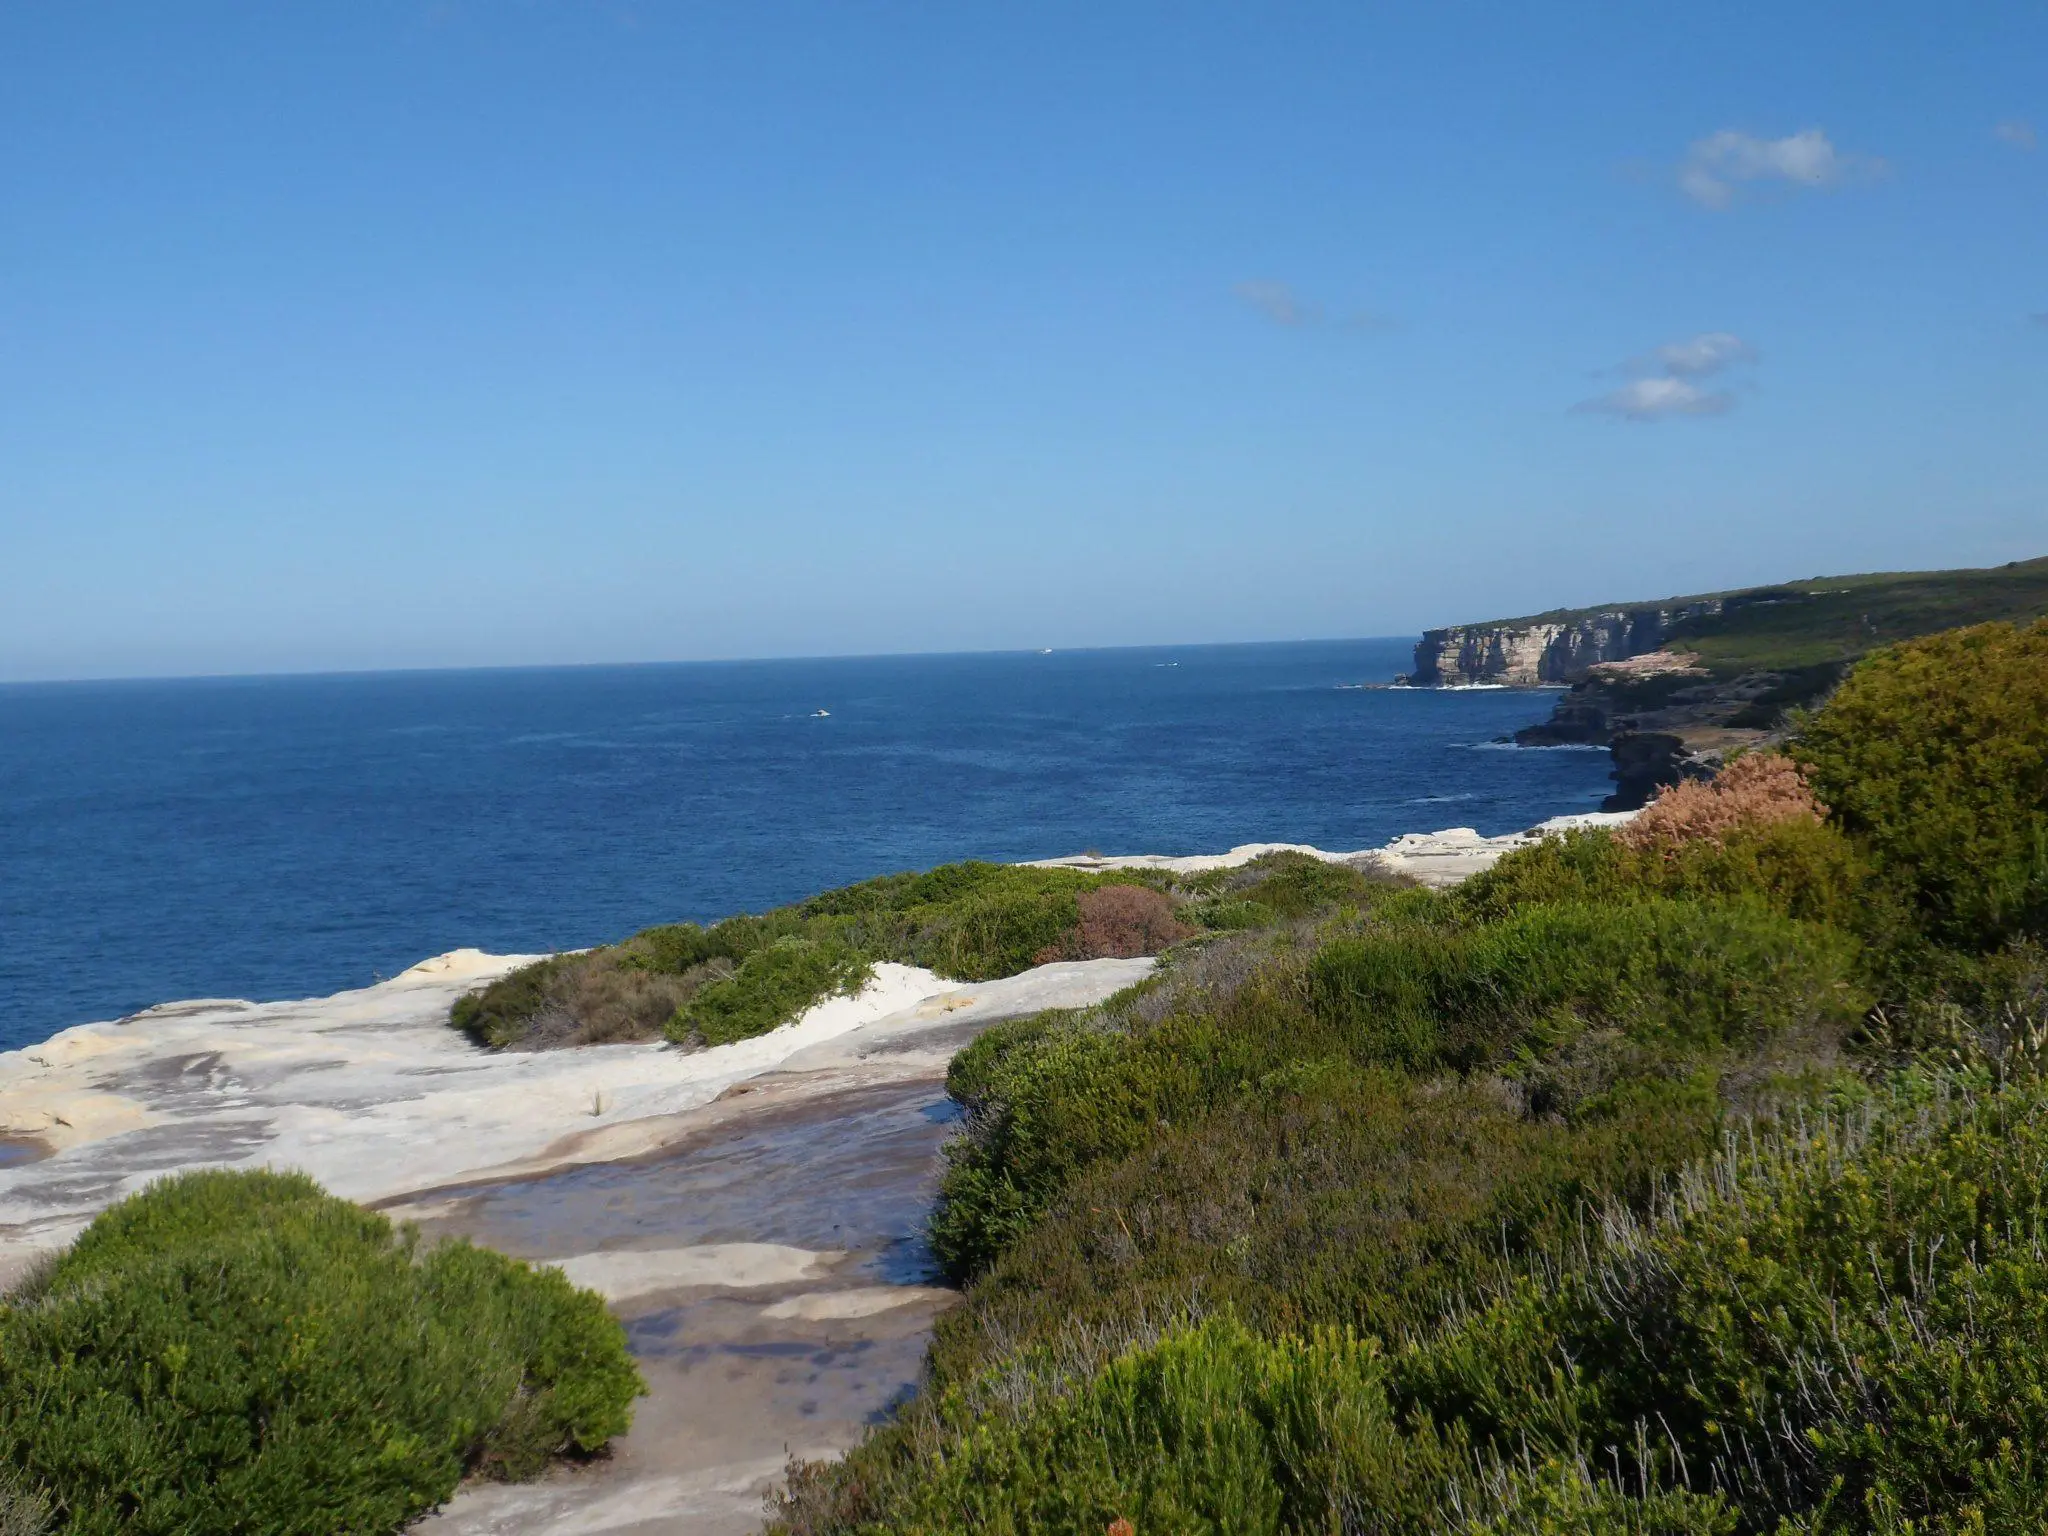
pixel 1935 753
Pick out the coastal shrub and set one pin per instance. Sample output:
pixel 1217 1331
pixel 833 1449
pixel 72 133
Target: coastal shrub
pixel 1831 1328
pixel 1050 1106
pixel 1650 1221
pixel 1834 1326
pixel 598 997
pixel 971 921
pixel 1223 914
pixel 243 1352
pixel 1328 1195
pixel 1567 1496
pixel 1297 885
pixel 1583 864
pixel 772 985
pixel 1213 1429
pixel 674 949
pixel 1755 790
pixel 1807 870
pixel 500 1014
pixel 1935 754
pixel 1703 973
pixel 1119 922
pixel 999 932
pixel 1048 1101
pixel 24 1510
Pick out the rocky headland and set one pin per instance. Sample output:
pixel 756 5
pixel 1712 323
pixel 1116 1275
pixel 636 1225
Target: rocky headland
pixel 1671 688
pixel 1548 649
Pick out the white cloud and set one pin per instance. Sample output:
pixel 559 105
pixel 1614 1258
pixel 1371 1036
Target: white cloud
pixel 1665 382
pixel 1704 354
pixel 1655 399
pixel 2017 133
pixel 1716 167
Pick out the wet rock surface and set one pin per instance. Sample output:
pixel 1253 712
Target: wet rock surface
pixel 787 1307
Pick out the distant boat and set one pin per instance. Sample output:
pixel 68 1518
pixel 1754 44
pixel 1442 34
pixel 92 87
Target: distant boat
pixel 821 714
pixel 1045 650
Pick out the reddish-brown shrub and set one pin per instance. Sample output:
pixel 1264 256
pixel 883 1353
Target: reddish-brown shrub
pixel 1119 922
pixel 1753 791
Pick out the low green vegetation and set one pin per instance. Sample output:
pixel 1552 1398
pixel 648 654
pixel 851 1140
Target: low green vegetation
pixel 1835 619
pixel 1807 631
pixel 244 1352
pixel 1955 805
pixel 1690 1180
pixel 746 975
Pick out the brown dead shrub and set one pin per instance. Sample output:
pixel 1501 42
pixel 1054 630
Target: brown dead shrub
pixel 1119 922
pixel 1753 791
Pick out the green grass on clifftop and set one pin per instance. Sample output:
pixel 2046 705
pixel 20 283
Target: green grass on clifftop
pixel 1828 620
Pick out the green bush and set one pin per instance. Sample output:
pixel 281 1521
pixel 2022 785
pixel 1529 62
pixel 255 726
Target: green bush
pixel 1327 1196
pixel 1051 1099
pixel 971 922
pixel 242 1352
pixel 1830 1330
pixel 674 948
pixel 1935 753
pixel 1564 1496
pixel 998 933
pixel 1480 1129
pixel 1837 1328
pixel 1223 914
pixel 1212 1430
pixel 773 984
pixel 500 1014
pixel 1299 885
pixel 1699 973
pixel 1070 1097
pixel 1803 869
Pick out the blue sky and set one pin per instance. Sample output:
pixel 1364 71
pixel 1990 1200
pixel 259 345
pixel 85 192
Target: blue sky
pixel 365 335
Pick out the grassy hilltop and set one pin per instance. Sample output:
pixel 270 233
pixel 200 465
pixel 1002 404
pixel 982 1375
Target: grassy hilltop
pixel 1832 619
pixel 1839 618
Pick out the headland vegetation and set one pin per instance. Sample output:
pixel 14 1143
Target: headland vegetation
pixel 1682 1172
pixel 1686 1177
pixel 1674 686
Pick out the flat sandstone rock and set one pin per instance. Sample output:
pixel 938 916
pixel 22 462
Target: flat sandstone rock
pixel 1433 858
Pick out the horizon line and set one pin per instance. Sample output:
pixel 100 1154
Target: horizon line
pixel 316 673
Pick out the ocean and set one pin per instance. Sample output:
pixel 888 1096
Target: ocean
pixel 291 836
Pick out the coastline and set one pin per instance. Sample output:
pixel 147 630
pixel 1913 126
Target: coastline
pixel 1435 859
pixel 752 1212
pixel 374 1094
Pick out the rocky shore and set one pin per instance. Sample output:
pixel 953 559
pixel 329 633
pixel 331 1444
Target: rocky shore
pixel 1671 688
pixel 1663 719
pixel 753 1212
pixel 1435 859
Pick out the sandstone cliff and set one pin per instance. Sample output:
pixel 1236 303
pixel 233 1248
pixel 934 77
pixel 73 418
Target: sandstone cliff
pixel 1546 650
pixel 1735 663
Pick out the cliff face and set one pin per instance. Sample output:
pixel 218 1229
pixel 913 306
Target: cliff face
pixel 1531 652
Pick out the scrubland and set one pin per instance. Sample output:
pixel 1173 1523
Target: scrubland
pixel 1686 1179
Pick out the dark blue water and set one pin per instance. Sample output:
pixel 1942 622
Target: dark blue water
pixel 278 837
